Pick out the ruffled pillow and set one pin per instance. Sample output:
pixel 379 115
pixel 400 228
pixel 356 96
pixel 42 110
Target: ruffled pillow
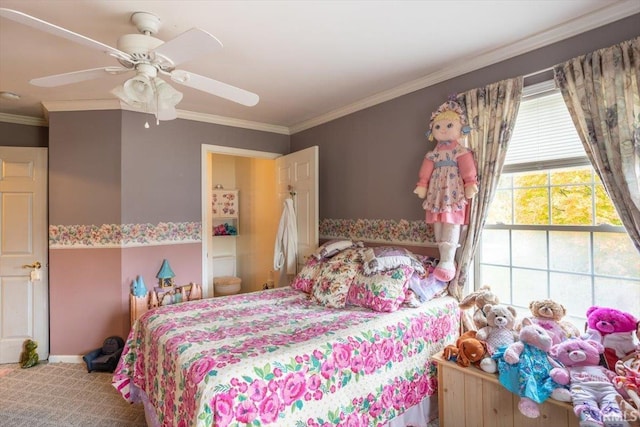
pixel 332 247
pixel 382 258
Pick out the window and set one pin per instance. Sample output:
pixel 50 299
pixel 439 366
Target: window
pixel 552 231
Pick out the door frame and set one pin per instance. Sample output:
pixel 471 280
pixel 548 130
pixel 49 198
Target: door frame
pixel 206 185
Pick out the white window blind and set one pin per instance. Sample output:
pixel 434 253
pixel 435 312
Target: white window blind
pixel 543 134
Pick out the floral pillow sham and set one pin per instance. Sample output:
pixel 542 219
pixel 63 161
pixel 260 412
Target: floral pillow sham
pixel 333 283
pixel 383 291
pixel 306 278
pixel 313 268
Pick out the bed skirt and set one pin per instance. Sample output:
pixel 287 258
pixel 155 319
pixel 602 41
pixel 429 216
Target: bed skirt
pixel 417 416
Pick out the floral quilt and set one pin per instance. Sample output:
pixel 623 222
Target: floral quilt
pixel 276 358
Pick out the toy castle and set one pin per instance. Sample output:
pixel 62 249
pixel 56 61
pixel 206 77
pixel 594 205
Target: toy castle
pixel 142 300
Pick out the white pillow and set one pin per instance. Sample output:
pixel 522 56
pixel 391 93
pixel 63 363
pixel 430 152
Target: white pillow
pixel 332 247
pixel 382 258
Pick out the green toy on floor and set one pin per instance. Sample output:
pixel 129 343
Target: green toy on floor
pixel 29 356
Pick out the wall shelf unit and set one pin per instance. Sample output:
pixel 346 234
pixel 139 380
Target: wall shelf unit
pixel 224 212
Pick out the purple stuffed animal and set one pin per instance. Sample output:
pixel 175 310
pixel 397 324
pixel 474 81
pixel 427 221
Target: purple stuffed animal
pixel 592 390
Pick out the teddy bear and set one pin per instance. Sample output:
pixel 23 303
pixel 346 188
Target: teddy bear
pixel 468 350
pixel 614 329
pixel 524 369
pixel 499 332
pixel 29 355
pixel 479 299
pixel 548 314
pixel 446 181
pixel 592 390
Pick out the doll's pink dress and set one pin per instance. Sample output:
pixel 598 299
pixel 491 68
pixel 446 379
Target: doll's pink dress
pixel 447 170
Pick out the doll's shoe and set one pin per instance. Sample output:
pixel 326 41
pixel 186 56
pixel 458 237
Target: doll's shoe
pixel 445 271
pixel 446 268
pixel 528 408
pixel 588 416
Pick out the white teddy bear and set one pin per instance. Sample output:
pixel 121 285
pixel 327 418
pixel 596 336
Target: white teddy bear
pixel 499 332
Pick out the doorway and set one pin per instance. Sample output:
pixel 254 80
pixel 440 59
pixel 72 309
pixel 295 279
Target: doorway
pixel 24 284
pixel 254 251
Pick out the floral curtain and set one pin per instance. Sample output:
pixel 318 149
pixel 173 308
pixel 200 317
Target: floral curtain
pixel 492 112
pixel 601 93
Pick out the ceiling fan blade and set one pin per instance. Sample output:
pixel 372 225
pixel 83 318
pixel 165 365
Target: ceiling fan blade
pixel 215 87
pixel 188 45
pixel 47 27
pixel 76 76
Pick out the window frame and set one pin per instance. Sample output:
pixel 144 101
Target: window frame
pixel 548 166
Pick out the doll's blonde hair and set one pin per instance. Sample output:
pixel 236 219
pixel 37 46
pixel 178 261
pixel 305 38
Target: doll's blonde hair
pixel 450 110
pixel 446 115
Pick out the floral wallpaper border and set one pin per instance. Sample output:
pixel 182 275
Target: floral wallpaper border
pixel 123 235
pixel 378 230
pixel 169 233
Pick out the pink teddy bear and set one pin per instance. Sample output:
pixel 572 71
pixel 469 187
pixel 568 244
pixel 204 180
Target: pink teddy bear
pixel 615 330
pixel 591 385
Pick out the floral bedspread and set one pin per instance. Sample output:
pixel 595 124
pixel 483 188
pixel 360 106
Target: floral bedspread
pixel 276 358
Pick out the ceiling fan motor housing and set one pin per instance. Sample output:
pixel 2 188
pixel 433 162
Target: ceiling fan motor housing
pixel 138 46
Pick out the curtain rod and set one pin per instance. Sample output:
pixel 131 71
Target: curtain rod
pixel 535 73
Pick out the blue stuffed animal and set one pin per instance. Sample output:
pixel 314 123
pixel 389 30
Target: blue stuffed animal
pixel 524 369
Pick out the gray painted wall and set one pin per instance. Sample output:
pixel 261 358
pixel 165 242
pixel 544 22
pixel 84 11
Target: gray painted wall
pixel 161 166
pixel 369 160
pixel 84 167
pixel 15 135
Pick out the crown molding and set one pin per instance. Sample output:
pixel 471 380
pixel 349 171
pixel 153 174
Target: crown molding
pixel 116 104
pixel 607 14
pixel 22 120
pixel 82 105
pixel 227 121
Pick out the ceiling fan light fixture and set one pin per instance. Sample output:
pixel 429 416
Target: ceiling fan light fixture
pixel 168 113
pixel 139 88
pixel 166 95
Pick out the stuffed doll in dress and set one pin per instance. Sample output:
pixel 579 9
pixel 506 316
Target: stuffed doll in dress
pixel 447 178
pixel 525 369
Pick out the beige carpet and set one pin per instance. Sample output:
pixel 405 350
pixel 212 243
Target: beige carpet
pixel 61 395
pixel 65 395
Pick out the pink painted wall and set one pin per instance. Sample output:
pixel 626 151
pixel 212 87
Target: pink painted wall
pixel 89 289
pixel 85 299
pixel 185 261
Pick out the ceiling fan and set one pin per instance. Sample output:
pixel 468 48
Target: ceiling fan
pixel 149 57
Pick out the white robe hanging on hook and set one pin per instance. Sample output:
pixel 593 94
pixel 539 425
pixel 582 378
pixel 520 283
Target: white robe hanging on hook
pixel 286 245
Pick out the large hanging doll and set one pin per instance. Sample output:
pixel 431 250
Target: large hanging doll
pixel 447 178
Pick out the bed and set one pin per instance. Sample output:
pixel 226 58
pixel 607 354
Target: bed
pixel 299 355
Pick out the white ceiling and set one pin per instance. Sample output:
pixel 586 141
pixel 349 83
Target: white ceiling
pixel 309 61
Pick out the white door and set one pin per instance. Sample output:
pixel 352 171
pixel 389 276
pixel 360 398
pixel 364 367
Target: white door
pixel 24 309
pixel 297 177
